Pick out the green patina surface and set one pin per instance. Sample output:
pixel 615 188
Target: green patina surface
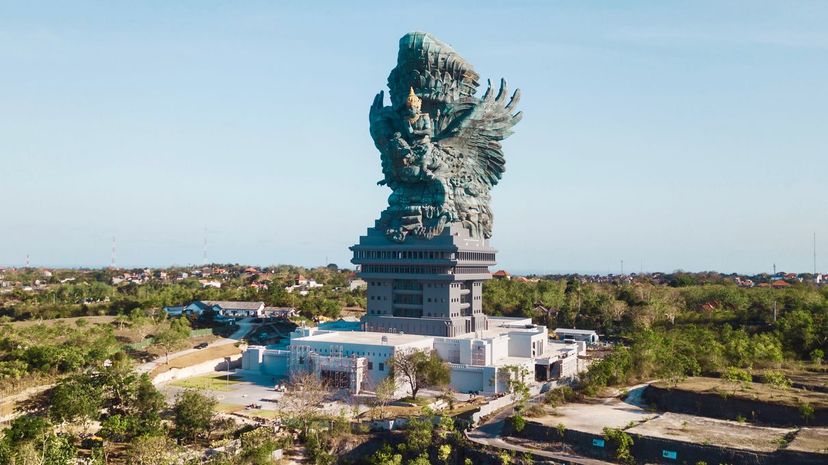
pixel 439 143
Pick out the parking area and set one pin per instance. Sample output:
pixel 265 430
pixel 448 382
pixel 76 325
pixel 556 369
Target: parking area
pixel 241 390
pixel 254 395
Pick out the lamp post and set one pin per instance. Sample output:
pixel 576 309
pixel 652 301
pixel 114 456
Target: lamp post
pixel 227 360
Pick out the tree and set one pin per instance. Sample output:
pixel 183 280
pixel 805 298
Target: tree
pixel 300 404
pixel 419 435
pixel 192 414
pixel 172 336
pixel 152 450
pixel 75 399
pixel 385 456
pixel 420 368
pixel 384 394
pixel 516 376
pixel 27 428
pixel 257 446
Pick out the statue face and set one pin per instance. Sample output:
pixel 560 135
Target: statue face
pixel 413 109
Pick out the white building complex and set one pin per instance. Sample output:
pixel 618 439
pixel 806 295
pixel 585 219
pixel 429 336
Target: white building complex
pixel 358 360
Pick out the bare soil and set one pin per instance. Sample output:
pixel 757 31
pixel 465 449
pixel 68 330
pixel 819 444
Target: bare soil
pixel 710 431
pixel 749 391
pixel 813 440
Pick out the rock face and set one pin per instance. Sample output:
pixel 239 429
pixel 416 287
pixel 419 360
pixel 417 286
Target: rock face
pixel 439 144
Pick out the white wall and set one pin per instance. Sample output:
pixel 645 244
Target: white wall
pixel 468 379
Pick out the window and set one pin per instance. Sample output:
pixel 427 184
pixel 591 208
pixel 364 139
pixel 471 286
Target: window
pixel 370 365
pixel 381 366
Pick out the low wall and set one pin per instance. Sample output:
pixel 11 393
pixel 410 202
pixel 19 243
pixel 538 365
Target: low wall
pixel 647 449
pixel 730 408
pixel 491 407
pixel 217 364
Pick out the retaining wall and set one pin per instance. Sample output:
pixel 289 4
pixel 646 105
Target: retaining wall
pixel 730 408
pixel 648 449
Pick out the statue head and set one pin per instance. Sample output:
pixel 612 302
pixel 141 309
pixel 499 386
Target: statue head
pixel 413 104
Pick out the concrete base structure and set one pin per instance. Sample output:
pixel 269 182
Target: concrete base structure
pixel 425 286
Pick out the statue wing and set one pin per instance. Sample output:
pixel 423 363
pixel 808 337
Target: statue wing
pixel 475 128
pixel 381 126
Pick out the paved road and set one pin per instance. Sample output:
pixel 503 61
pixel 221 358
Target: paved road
pixel 490 434
pixel 245 326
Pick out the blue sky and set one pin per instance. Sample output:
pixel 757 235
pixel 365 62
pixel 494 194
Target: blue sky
pixel 670 135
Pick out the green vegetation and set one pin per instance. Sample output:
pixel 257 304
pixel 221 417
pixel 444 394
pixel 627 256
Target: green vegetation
pixel 40 354
pixel 426 441
pixel 705 301
pixel 193 414
pixel 695 324
pixel 623 442
pixel 127 406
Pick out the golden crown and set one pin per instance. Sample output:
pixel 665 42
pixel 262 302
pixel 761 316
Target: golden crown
pixel 413 100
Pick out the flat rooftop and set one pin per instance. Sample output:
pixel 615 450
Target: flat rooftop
pixel 574 331
pixel 502 325
pixel 365 338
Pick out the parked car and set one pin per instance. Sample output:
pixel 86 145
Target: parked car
pixel 203 345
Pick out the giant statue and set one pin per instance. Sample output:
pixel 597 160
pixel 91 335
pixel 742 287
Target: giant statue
pixel 439 143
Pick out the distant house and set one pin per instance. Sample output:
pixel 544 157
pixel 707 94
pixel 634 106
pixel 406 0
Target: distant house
pixel 221 307
pixel 237 309
pixel 174 311
pixel 279 312
pixel 501 274
pixel 357 283
pixel 208 283
pixel 780 284
pixel 541 309
pixel 303 285
pixel 587 335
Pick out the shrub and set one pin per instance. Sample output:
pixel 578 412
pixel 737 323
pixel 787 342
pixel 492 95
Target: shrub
pixel 518 422
pixel 817 355
pixel 623 442
pixel 534 410
pixel 736 375
pixel 807 411
pixel 776 379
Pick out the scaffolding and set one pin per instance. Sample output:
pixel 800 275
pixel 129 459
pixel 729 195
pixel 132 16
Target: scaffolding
pixel 335 368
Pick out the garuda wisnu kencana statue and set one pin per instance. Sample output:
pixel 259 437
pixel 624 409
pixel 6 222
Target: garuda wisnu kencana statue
pixel 439 143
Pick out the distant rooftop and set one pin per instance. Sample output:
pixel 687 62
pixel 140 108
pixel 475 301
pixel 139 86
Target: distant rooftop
pixel 574 331
pixel 365 337
pixel 229 304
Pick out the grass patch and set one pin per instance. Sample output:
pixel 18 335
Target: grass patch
pixel 229 408
pixel 258 413
pixel 209 382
